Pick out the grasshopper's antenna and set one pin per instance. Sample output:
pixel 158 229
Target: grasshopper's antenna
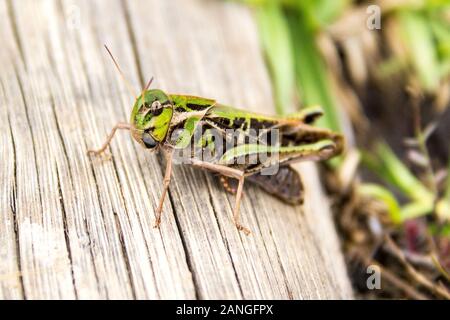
pixel 148 84
pixel 127 83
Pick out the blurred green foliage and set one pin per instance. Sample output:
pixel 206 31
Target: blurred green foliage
pixel 383 161
pixel 275 38
pixel 288 31
pixel 425 35
pixel 422 54
pixel 289 28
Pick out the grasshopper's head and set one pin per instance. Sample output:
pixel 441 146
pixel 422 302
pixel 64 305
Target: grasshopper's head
pixel 150 118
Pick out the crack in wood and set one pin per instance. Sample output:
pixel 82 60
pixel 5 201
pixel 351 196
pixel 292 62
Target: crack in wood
pixel 14 212
pixel 125 255
pixel 183 240
pixel 33 145
pixel 227 246
pixel 283 271
pixel 120 231
pixel 66 233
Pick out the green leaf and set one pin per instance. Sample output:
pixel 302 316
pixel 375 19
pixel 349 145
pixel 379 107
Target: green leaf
pixel 384 195
pixel 443 208
pixel 321 13
pixel 312 78
pixel 416 209
pixel 419 40
pixel 385 164
pixel 397 214
pixel 441 31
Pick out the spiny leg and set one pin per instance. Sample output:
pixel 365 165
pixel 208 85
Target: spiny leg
pixel 226 184
pixel 167 176
pixel 232 173
pixel 120 125
pixel 236 214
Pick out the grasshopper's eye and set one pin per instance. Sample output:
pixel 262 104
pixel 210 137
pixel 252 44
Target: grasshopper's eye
pixel 156 108
pixel 156 105
pixel 148 140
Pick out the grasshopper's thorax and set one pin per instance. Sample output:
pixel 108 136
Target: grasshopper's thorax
pixel 150 118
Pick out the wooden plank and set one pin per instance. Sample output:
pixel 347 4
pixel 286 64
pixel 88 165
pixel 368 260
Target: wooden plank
pixel 75 228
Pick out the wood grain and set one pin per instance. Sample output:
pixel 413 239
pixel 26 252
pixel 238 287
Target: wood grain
pixel 71 227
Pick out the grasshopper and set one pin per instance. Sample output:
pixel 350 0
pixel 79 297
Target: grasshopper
pixel 157 115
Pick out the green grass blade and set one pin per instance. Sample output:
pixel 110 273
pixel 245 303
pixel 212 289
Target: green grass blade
pixel 312 78
pixel 416 209
pixel 321 13
pixel 385 164
pixel 384 195
pixel 274 34
pixel 419 40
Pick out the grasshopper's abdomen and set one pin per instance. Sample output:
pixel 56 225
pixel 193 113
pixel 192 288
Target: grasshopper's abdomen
pixel 286 184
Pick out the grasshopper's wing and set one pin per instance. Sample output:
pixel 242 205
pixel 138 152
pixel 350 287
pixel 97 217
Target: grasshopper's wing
pixel 297 141
pixel 286 184
pixel 265 156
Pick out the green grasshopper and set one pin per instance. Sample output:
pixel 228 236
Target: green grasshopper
pixel 156 116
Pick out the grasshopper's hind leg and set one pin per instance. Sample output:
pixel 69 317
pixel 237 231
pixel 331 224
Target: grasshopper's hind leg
pixel 226 184
pixel 167 176
pixel 236 214
pixel 231 173
pixel 120 125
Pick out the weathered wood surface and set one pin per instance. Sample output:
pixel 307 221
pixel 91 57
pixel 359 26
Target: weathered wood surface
pixel 75 228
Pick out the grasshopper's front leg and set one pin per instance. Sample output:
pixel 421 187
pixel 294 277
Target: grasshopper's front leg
pixel 167 176
pixel 120 125
pixel 232 173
